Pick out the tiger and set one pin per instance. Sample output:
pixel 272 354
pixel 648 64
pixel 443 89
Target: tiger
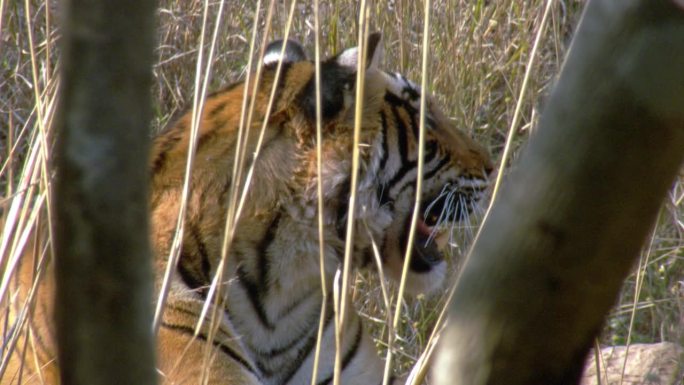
pixel 262 327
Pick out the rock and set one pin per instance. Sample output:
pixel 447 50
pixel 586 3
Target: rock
pixel 647 364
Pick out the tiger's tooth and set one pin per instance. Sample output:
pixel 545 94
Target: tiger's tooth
pixel 442 239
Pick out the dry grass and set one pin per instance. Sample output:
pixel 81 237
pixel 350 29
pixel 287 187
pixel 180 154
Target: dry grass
pixel 479 54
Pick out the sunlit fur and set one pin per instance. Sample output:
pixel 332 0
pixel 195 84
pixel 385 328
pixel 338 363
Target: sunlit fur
pixel 29 305
pixel 270 307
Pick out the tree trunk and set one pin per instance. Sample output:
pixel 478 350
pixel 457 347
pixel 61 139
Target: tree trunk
pixel 103 269
pixel 568 224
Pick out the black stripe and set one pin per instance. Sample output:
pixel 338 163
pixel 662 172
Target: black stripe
pixel 257 289
pixel 253 293
pixel 439 166
pixel 224 348
pixel 195 273
pixel 211 114
pixel 186 271
pixel 397 101
pixel 415 126
pixel 385 149
pixel 267 356
pixel 168 138
pixel 348 356
pixel 407 165
pixel 342 209
pixel 401 135
pixel 174 306
pixel 309 346
pixel 309 328
pixel 295 339
pixel 405 169
pixel 408 89
pixel 158 162
pixel 430 151
pixel 206 136
pixel 262 253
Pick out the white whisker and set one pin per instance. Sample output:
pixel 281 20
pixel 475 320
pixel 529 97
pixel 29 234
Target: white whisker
pixel 444 214
pixel 441 194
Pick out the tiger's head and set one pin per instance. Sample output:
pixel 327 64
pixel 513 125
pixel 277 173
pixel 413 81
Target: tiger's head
pixel 455 176
pixel 455 166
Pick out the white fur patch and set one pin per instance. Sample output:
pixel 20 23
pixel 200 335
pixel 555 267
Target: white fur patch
pixel 272 57
pixel 404 88
pixel 349 58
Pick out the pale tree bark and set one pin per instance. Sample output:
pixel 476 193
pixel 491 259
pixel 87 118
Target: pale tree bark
pixel 574 213
pixel 103 270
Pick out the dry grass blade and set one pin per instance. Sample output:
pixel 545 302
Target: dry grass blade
pixel 23 318
pixel 214 290
pixel 25 175
pixel 197 105
pixel 319 193
pixel 418 191
pixel 349 240
pixel 641 269
pixel 518 107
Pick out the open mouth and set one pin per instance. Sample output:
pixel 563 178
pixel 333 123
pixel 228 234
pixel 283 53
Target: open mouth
pixel 431 234
pixel 426 253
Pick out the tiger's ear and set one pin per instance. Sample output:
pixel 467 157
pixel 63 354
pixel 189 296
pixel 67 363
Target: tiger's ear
pixel 338 79
pixel 273 53
pixel 349 58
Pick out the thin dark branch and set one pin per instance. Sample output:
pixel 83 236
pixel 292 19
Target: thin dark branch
pixel 103 270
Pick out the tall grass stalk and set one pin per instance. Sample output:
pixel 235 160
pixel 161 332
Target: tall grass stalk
pixel 419 189
pixel 343 288
pixel 319 193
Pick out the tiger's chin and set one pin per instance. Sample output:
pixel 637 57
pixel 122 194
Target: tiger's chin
pixel 427 268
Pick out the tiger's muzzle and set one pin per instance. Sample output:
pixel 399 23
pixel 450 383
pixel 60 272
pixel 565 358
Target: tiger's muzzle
pixel 438 212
